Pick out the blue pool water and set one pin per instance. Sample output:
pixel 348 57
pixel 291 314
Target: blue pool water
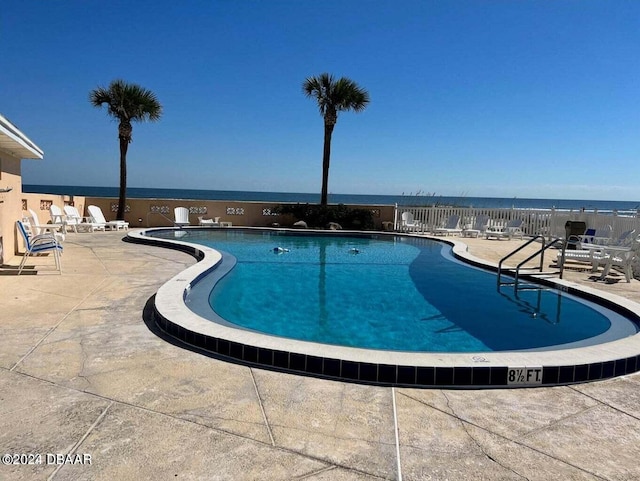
pixel 387 292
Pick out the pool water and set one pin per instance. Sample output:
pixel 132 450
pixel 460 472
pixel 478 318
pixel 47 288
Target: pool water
pixel 387 292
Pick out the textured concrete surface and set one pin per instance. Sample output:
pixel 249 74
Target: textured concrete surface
pixel 81 375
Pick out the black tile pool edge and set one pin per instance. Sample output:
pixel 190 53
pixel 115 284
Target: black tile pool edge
pixel 384 374
pixel 391 375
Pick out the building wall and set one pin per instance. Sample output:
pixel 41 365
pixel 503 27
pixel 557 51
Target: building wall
pixel 10 205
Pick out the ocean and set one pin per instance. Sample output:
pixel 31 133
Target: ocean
pixel 622 207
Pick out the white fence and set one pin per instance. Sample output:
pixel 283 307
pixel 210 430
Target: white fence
pixel 546 222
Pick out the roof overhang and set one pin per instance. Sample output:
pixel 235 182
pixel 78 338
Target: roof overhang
pixel 16 143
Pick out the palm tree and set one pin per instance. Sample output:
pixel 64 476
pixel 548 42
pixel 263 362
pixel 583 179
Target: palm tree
pixel 333 96
pixel 127 103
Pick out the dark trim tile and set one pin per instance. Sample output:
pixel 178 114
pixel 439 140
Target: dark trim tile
pixel 265 356
pixel 224 347
pixel 462 376
pixel 350 369
pixel 631 365
pixel 235 350
pixel 566 374
pixel 499 376
pixel 581 373
pixel 550 375
pixel 444 376
pixel 314 364
pixel 331 367
pixel 297 362
pixel 595 371
pixel 406 375
pixel 250 354
pixel 426 376
pixel 368 372
pixel 200 340
pixel 387 373
pixel 211 344
pixel 481 376
pixel 281 359
pixel 182 333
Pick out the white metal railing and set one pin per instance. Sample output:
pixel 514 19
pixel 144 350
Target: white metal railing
pixel 545 222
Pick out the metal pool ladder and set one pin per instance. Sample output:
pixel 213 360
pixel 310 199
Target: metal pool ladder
pixel 516 272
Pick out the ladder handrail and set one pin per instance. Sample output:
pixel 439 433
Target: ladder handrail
pixel 540 251
pixel 160 214
pixel 533 239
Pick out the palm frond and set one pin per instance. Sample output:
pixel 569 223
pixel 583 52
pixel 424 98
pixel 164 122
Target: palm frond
pixel 127 102
pixel 335 95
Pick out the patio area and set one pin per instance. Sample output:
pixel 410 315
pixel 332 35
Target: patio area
pixel 82 373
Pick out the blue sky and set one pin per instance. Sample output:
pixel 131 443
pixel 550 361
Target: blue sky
pixel 477 98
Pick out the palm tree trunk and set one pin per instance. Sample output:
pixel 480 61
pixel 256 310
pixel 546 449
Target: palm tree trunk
pixel 326 157
pixel 122 199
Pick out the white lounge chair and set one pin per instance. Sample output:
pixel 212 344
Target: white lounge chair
pixel 58 217
pixel 512 229
pixel 592 253
pixel 36 244
pixel 601 236
pixel 478 228
pixel 450 226
pixel 97 217
pixel 409 224
pixel 181 216
pixel 622 257
pixel 38 229
pixel 79 223
pixel 209 222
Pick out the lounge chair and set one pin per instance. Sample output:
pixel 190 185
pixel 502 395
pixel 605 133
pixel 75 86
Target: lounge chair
pixel 409 224
pixel 36 244
pixel 601 236
pixel 57 216
pixel 209 222
pixel 622 257
pixel 79 223
pixel 38 229
pixel 450 226
pixel 591 253
pixel 512 229
pixel 478 228
pixel 97 217
pixel 181 216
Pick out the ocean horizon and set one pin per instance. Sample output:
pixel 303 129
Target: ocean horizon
pixel 350 199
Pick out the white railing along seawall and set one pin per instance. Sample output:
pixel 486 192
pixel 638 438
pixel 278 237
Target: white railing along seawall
pixel 546 222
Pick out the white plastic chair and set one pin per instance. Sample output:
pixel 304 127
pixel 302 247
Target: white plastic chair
pixel 39 229
pixel 409 224
pixel 78 223
pixel 478 228
pixel 622 257
pixel 36 244
pixel 181 216
pixel 511 230
pixel 450 226
pixel 57 216
pixel 98 217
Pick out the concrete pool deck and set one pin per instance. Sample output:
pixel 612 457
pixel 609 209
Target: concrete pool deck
pixel 81 373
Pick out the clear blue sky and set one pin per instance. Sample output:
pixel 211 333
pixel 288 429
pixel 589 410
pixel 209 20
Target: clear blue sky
pixel 478 98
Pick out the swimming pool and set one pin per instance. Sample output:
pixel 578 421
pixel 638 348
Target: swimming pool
pixel 394 285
